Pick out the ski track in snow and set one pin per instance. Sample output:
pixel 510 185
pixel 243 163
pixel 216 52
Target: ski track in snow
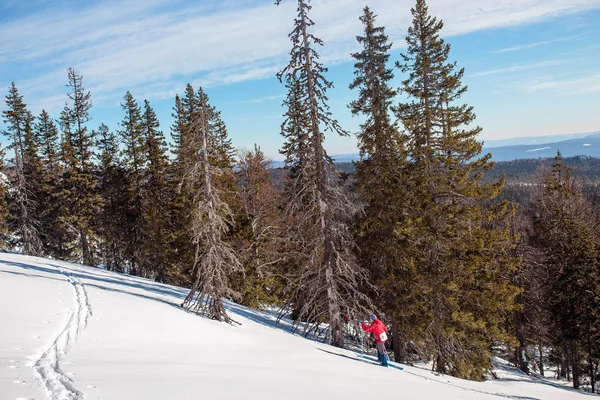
pixel 58 385
pixel 405 371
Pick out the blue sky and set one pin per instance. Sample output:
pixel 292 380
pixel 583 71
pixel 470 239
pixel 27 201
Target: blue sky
pixel 532 66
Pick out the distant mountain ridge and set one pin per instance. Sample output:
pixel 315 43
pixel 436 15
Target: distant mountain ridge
pixel 534 140
pixel 586 146
pixel 570 145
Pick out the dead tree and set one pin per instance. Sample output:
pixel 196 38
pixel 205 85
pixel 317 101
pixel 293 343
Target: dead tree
pixel 215 261
pixel 326 281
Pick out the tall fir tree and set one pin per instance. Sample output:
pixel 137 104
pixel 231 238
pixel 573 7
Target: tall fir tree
pixel 79 190
pixel 261 237
pixel 181 246
pixel 33 171
pixel 461 248
pixel 113 224
pixel 19 130
pixel 4 185
pixel 134 162
pixel 532 320
pixel 326 284
pixel 157 195
pixel 215 261
pixel 47 137
pixel 566 230
pixel 380 181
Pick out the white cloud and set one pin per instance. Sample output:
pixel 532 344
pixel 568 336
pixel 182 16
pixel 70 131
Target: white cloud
pixel 155 46
pixel 582 85
pixel 265 99
pixel 515 68
pixel 532 45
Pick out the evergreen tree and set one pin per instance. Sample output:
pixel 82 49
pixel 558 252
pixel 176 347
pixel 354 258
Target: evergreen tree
pixel 20 132
pixel 326 284
pixel 4 184
pixel 261 239
pixel 157 194
pixel 532 320
pixel 380 181
pixel 79 193
pixel 181 245
pixel 134 162
pixel 460 248
pixel 115 199
pixel 566 231
pixel 47 137
pixel 215 261
pixel 225 156
pixel 33 171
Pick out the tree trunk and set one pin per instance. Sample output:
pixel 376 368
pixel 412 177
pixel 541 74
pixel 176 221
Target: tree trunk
pixel 85 249
pixel 574 356
pixel 541 362
pixel 590 357
pixel 521 350
pixel 335 323
pixel 398 353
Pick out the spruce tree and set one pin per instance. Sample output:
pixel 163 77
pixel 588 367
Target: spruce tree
pixel 566 230
pixel 134 162
pixel 182 249
pixel 215 261
pixel 381 183
pixel 113 224
pixel 79 190
pixel 461 247
pixel 33 171
pixel 326 284
pixel 19 130
pixel 261 237
pixel 157 194
pixel 47 137
pixel 4 184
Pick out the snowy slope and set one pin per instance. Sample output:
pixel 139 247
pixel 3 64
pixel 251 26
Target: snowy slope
pixel 73 332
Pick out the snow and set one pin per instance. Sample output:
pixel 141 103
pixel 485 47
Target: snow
pixel 540 149
pixel 74 332
pixel 4 181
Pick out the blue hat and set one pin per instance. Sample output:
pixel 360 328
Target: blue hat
pixel 372 317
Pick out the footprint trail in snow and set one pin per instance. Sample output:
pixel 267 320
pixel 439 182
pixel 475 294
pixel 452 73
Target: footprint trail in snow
pixel 58 385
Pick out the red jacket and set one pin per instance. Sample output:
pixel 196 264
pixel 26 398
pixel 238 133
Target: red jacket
pixel 377 327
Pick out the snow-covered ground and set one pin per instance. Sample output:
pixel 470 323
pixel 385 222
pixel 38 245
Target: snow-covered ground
pixel 73 332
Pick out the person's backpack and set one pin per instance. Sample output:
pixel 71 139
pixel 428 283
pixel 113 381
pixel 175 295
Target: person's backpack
pixel 383 336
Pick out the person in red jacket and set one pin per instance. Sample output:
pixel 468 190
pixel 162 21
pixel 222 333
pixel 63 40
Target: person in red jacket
pixel 380 332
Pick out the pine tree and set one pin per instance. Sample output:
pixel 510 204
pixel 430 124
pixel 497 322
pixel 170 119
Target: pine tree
pixel 215 261
pixel 181 245
pixel 380 181
pixel 461 246
pixel 115 199
pixel 79 194
pixel 261 235
pixel 157 195
pixel 532 321
pixel 20 132
pixel 47 137
pixel 33 171
pixel 326 285
pixel 566 231
pixel 4 184
pixel 134 162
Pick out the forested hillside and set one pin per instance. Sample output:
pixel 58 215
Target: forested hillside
pixel 418 233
